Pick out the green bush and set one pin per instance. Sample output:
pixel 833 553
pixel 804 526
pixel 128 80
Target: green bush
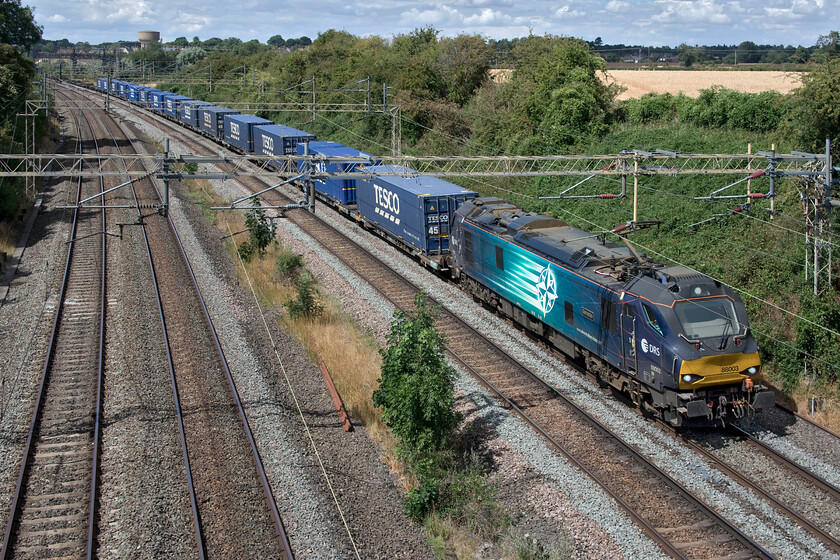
pixel 260 231
pixel 715 107
pixel 305 303
pixel 289 263
pixel 651 107
pixel 416 389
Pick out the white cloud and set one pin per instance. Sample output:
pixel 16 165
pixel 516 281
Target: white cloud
pixel 190 23
pixel 617 6
pixel 687 11
pixel 440 16
pixel 57 18
pixel 568 13
pixel 488 17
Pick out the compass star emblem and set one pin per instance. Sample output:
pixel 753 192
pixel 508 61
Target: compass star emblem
pixel 546 290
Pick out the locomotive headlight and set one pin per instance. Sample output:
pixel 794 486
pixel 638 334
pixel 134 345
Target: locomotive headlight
pixel 691 378
pixel 753 370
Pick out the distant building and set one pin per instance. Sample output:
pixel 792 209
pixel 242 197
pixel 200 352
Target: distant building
pixel 146 37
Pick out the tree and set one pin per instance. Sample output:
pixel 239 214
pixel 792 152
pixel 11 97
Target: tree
pixel 17 25
pixel 276 41
pixel 16 73
pixel 417 386
pixel 180 42
pixel 748 53
pixel 190 55
pixel 689 55
pixel 153 52
pixel 260 230
pixel 801 55
pixel 815 108
pixel 462 63
pixel 828 46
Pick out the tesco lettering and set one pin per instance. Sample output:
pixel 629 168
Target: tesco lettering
pixel 387 199
pixel 268 144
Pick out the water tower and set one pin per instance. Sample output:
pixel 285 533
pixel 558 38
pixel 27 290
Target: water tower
pixel 146 37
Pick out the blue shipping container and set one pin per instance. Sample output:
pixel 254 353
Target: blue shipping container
pixel 189 112
pixel 342 191
pixel 158 99
pixel 211 120
pixel 172 104
pixel 279 140
pixel 239 130
pixel 101 84
pixel 415 210
pixel 145 96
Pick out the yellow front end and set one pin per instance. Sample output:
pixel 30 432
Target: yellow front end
pixel 711 371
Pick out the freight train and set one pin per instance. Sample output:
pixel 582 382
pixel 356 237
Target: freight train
pixel 674 341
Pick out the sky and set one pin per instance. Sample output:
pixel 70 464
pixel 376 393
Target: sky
pixel 643 22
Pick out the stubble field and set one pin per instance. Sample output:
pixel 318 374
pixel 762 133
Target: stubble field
pixel 690 82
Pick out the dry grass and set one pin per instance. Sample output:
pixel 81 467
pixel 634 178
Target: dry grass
pixel 690 82
pixel 351 356
pixel 827 405
pixel 8 238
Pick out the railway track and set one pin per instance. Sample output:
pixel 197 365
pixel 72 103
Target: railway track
pixel 54 500
pixel 793 489
pixel 233 510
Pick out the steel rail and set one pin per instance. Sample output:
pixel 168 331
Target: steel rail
pixel 202 554
pixel 808 420
pixel 266 485
pixel 13 520
pixel 732 472
pixel 256 457
pixel 787 462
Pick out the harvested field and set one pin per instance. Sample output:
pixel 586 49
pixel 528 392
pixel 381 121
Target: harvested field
pixel 690 82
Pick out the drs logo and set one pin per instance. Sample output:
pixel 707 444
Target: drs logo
pixel 387 200
pixel 234 130
pixel 268 144
pixel 207 118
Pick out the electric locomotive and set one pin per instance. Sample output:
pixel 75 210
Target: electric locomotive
pixel 675 341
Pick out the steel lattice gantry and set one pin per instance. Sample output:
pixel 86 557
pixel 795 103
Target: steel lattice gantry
pixel 622 164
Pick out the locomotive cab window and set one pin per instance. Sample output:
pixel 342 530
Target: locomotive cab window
pixel 651 319
pixel 500 258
